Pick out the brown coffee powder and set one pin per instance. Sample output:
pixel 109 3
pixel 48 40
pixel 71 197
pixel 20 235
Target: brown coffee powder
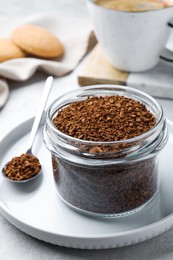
pixel 105 119
pixel 111 189
pixel 22 167
pixel 104 188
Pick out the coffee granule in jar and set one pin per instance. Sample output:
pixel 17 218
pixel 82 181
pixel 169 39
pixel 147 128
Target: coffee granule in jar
pixel 104 119
pixel 109 190
pixel 100 187
pixel 22 167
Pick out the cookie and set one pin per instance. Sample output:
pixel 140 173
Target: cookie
pixel 37 41
pixel 8 50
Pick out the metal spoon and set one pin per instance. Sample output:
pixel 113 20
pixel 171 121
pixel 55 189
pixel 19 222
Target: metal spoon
pixel 38 117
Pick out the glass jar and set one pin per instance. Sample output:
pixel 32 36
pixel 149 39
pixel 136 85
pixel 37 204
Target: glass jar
pixel 115 181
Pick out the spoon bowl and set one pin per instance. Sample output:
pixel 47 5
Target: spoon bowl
pixel 27 163
pixel 21 181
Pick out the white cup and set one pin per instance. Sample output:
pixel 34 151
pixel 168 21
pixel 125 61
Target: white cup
pixel 132 41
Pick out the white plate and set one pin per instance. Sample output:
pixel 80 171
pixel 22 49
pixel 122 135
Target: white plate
pixel 36 209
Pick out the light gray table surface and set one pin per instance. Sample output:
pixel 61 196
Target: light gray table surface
pixel 15 244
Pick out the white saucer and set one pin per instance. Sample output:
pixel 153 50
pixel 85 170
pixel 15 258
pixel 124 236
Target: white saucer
pixel 35 208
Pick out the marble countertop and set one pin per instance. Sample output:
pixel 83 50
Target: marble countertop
pixel 14 243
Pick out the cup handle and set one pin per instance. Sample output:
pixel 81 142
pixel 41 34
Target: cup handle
pixel 166 54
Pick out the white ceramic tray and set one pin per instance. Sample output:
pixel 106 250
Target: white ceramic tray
pixel 36 209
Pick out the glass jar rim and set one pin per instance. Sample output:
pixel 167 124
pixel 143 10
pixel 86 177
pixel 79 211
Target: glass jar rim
pixel 126 90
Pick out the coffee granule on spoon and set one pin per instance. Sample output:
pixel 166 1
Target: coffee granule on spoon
pixel 104 119
pixel 22 167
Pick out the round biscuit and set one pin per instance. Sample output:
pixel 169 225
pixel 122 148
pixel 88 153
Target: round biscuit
pixel 37 41
pixel 8 50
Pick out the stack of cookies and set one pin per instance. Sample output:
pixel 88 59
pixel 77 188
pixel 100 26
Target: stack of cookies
pixel 31 40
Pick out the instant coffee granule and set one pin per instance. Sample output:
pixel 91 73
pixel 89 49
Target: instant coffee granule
pixel 105 189
pixel 104 119
pixel 111 189
pixel 23 167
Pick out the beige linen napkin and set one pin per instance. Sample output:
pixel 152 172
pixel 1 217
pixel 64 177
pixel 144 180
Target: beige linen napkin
pixel 4 92
pixel 75 33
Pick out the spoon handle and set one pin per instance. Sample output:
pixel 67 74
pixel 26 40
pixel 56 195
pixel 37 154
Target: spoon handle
pixel 45 95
